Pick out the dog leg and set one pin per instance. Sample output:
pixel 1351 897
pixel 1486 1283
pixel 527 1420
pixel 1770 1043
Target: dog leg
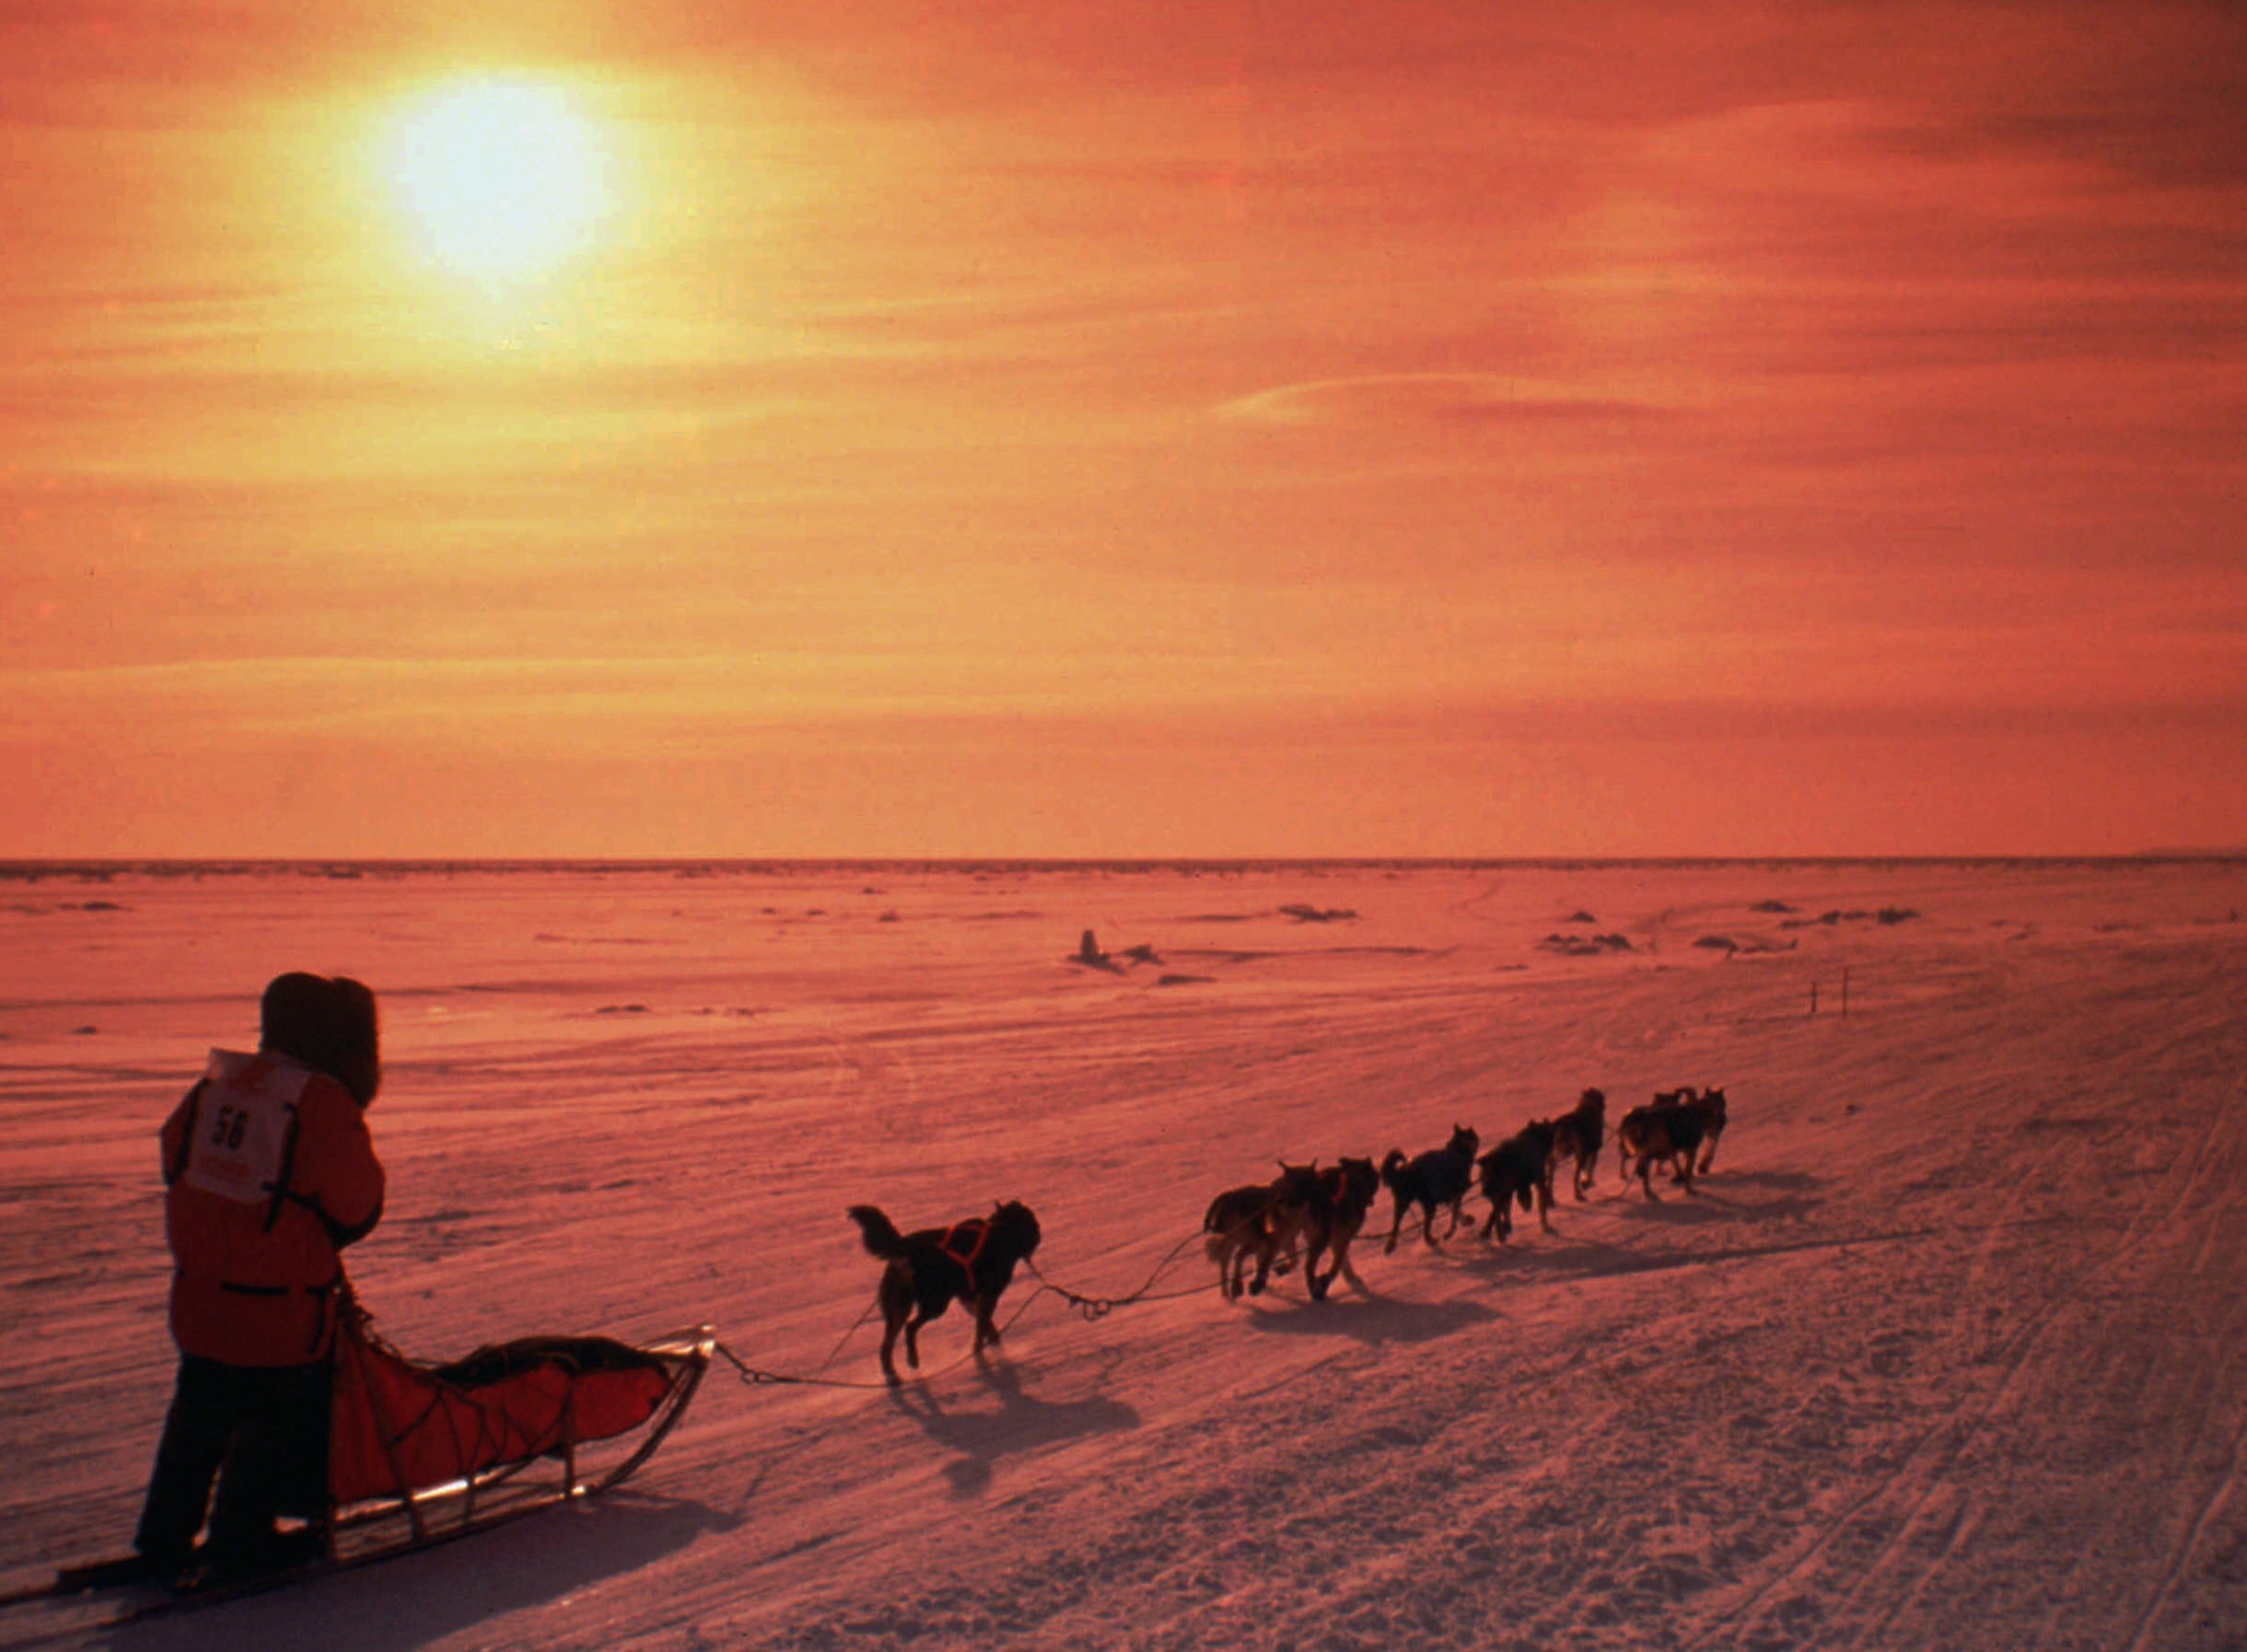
pixel 890 1329
pixel 913 1340
pixel 1396 1225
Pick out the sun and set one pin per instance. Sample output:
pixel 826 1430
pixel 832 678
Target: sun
pixel 503 181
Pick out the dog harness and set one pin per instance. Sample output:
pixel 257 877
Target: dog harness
pixel 965 1254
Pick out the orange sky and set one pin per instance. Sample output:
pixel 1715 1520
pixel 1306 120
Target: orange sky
pixel 1178 428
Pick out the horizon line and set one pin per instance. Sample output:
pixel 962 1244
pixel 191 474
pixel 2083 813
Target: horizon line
pixel 62 866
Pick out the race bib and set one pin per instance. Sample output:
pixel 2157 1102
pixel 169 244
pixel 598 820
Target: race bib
pixel 239 1149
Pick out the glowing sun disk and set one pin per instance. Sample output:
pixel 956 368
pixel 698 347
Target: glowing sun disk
pixel 504 180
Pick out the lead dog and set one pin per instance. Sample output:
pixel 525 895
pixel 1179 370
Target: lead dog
pixel 1439 1176
pixel 1262 1220
pixel 1671 1131
pixel 971 1262
pixel 1710 1104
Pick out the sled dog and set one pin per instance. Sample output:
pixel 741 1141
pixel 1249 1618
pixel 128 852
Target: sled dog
pixel 1519 1168
pixel 1576 1136
pixel 971 1262
pixel 1671 1132
pixel 1711 1105
pixel 1439 1176
pixel 1263 1220
pixel 1346 1195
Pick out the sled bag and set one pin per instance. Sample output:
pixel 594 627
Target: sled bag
pixel 399 1426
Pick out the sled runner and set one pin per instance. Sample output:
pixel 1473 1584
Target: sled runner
pixel 420 1454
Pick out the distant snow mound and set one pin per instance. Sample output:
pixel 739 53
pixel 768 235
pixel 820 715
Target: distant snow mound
pixel 1585 946
pixel 1886 915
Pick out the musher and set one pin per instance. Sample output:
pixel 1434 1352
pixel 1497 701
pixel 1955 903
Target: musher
pixel 269 1172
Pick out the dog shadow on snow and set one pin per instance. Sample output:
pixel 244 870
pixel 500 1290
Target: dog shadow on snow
pixel 1370 1318
pixel 1748 1196
pixel 977 1437
pixel 1768 1210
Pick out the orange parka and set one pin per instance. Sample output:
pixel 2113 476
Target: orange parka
pixel 269 1172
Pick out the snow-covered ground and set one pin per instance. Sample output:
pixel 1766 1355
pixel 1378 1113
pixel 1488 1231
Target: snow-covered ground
pixel 1949 1351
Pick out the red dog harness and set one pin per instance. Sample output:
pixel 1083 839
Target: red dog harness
pixel 965 1254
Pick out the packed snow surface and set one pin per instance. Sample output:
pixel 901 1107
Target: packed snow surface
pixel 1949 1349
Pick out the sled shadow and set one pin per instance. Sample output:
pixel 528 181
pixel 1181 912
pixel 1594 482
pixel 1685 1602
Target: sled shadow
pixel 446 1590
pixel 978 1438
pixel 1373 1320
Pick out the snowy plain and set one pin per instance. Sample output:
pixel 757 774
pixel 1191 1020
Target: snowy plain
pixel 1949 1350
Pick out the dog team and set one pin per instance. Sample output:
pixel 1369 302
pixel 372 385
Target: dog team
pixel 1308 1210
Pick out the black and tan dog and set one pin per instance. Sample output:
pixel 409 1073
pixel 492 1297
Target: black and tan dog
pixel 1671 1131
pixel 1576 1137
pixel 1518 1169
pixel 1439 1176
pixel 1263 1220
pixel 1346 1195
pixel 1710 1104
pixel 971 1262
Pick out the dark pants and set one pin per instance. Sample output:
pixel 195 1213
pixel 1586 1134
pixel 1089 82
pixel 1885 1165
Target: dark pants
pixel 262 1433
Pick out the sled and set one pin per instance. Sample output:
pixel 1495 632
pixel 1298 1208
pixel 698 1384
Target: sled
pixel 418 1452
pixel 420 1455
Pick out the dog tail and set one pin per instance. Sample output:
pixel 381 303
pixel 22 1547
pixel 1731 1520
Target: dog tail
pixel 1390 1166
pixel 882 1237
